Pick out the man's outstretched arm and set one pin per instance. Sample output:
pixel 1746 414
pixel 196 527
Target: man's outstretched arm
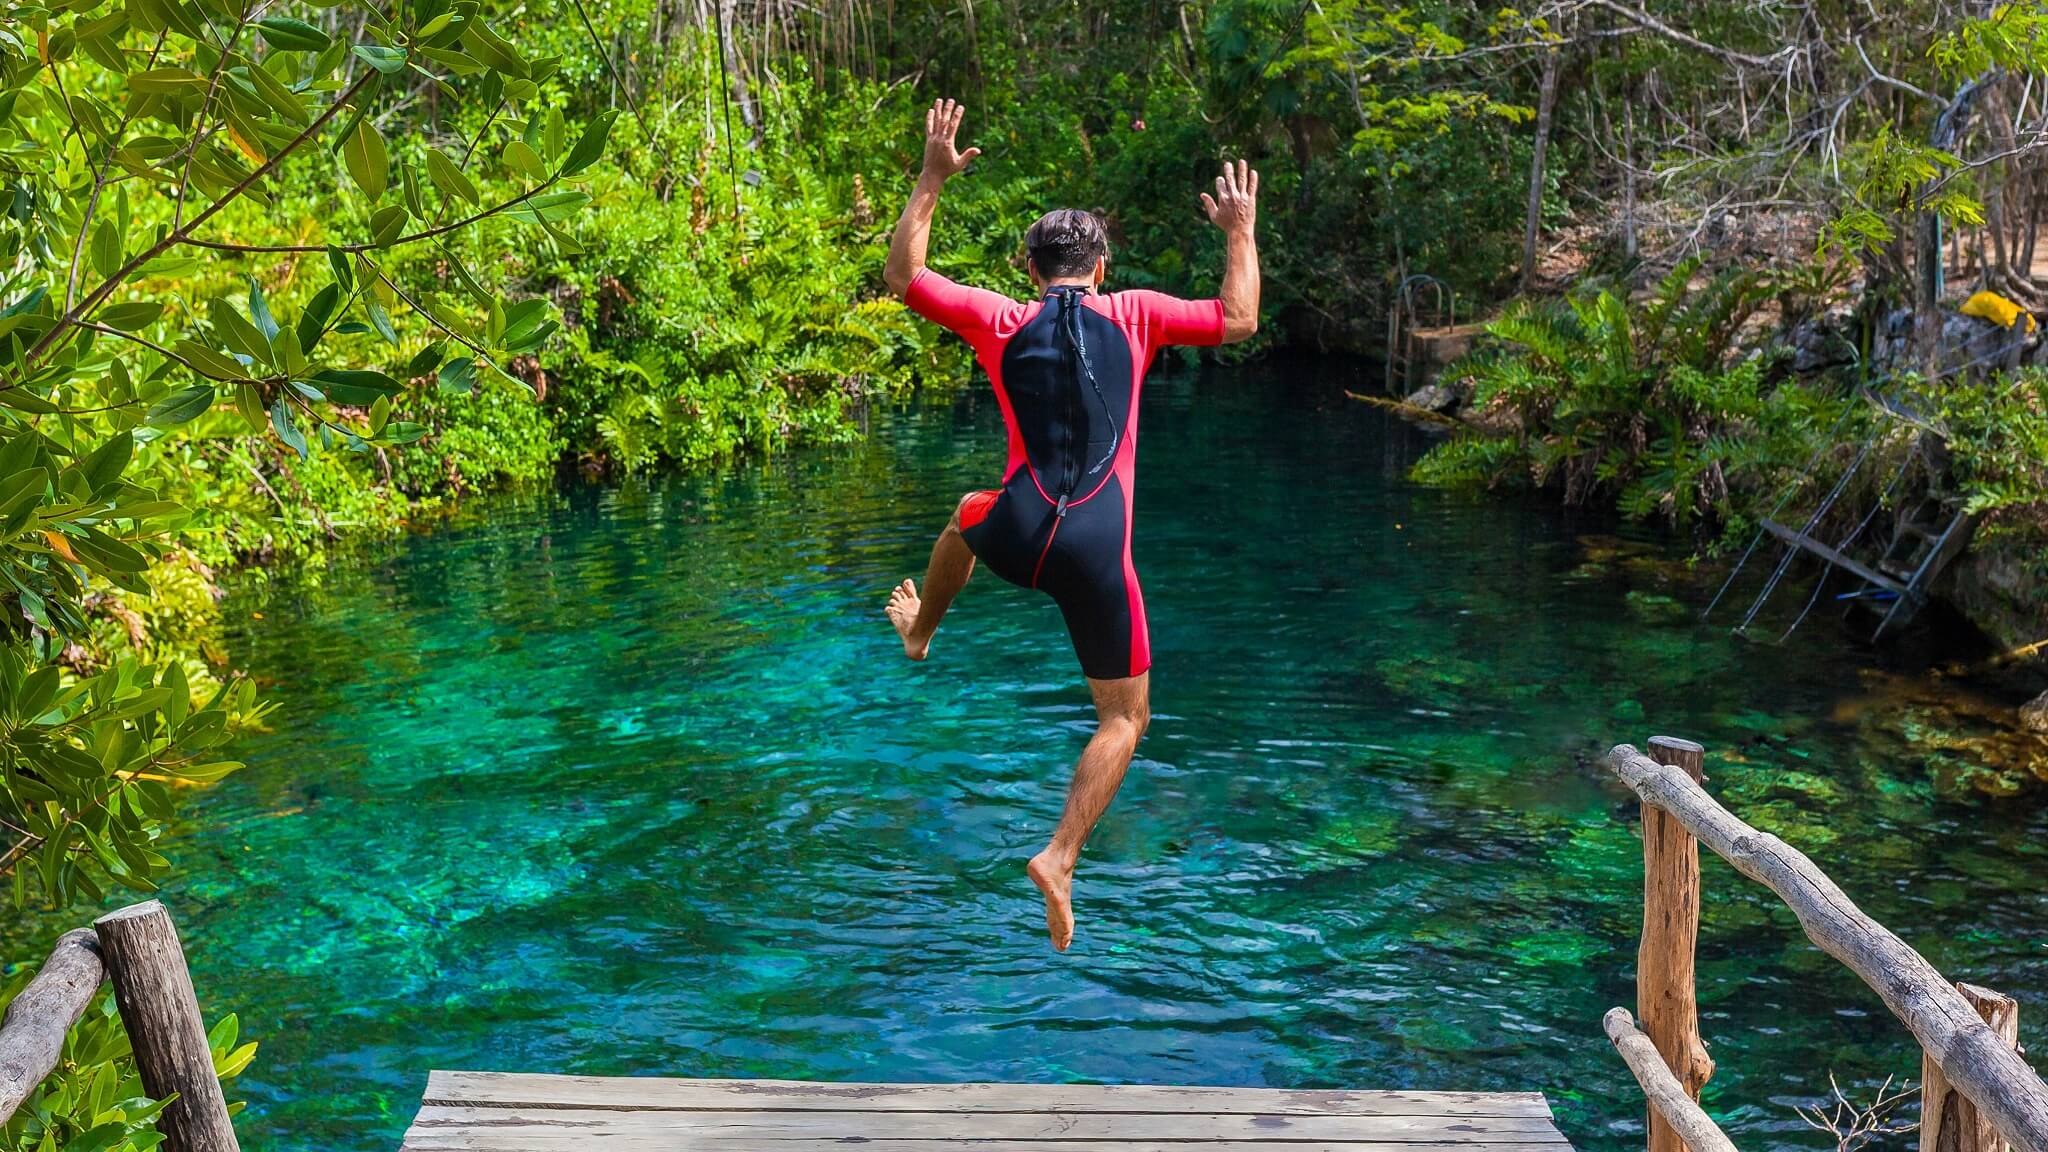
pixel 942 161
pixel 1234 209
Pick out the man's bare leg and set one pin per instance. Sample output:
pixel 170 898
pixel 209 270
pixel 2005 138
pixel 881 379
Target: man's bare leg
pixel 951 564
pixel 1123 711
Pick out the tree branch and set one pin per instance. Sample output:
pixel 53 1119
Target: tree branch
pixel 1668 32
pixel 424 234
pixel 183 234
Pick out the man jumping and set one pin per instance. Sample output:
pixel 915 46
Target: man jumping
pixel 1066 369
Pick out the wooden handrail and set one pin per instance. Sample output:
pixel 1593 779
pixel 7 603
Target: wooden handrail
pixel 1948 1121
pixel 137 949
pixel 1976 1060
pixel 1668 1098
pixel 32 1035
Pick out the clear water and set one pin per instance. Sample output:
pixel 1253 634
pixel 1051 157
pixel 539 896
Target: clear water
pixel 636 780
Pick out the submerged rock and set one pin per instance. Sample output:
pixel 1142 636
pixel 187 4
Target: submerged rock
pixel 1969 743
pixel 1432 398
pixel 2034 714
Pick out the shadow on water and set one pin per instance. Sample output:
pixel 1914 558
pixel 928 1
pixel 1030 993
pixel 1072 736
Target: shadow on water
pixel 635 780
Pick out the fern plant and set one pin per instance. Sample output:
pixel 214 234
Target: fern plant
pixel 1645 404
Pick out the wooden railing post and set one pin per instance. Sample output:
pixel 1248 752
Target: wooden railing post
pixel 161 1012
pixel 1982 1065
pixel 1666 1000
pixel 1948 1121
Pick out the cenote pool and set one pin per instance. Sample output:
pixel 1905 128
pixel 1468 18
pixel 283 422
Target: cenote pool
pixel 635 780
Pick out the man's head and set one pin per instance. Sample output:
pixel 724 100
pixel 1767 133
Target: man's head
pixel 1067 245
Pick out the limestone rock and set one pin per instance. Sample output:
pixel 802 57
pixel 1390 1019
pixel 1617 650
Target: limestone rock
pixel 1433 398
pixel 2034 714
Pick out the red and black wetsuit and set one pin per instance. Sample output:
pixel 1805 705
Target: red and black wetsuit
pixel 1066 371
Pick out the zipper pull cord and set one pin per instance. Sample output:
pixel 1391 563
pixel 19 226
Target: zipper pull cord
pixel 1079 344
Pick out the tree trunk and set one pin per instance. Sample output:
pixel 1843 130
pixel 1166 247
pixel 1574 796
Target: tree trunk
pixel 1546 103
pixel 1927 230
pixel 1628 173
pixel 735 74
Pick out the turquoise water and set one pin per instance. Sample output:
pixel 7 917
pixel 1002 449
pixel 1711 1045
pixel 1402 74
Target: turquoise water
pixel 635 780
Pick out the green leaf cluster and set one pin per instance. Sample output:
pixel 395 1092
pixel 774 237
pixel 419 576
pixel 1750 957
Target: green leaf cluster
pixel 1647 405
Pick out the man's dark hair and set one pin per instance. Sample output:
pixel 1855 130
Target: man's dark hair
pixel 1066 242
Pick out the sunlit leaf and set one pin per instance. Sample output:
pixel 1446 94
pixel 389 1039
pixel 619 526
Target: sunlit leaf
pixel 449 178
pixel 130 317
pixel 590 146
pixel 521 158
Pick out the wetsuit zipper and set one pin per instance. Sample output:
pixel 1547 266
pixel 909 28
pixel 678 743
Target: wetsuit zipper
pixel 1069 471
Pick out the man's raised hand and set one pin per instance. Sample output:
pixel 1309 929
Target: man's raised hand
pixel 941 125
pixel 1234 208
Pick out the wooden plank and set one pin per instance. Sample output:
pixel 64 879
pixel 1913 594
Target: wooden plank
pixel 492 1139
pixel 1839 560
pixel 32 1034
pixel 1670 1101
pixel 1050 1126
pixel 1974 1057
pixel 666 1093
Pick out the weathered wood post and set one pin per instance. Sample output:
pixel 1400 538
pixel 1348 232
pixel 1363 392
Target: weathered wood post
pixel 1666 1000
pixel 161 1012
pixel 32 1033
pixel 1948 1121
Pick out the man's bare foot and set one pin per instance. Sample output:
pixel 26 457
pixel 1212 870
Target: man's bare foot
pixel 902 612
pixel 1057 882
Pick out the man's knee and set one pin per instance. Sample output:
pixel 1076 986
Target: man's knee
pixel 1128 705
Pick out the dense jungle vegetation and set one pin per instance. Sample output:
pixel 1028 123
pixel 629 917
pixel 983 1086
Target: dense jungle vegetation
pixel 276 274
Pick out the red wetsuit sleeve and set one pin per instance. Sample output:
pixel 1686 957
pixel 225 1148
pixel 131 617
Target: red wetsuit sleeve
pixel 986 320
pixel 956 307
pixel 1175 321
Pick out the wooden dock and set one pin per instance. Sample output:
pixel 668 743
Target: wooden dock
pixel 503 1112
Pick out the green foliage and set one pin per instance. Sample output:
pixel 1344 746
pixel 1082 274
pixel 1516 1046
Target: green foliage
pixel 1645 406
pixel 190 374
pixel 1895 178
pixel 95 1102
pixel 1997 435
pixel 88 764
pixel 2012 36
